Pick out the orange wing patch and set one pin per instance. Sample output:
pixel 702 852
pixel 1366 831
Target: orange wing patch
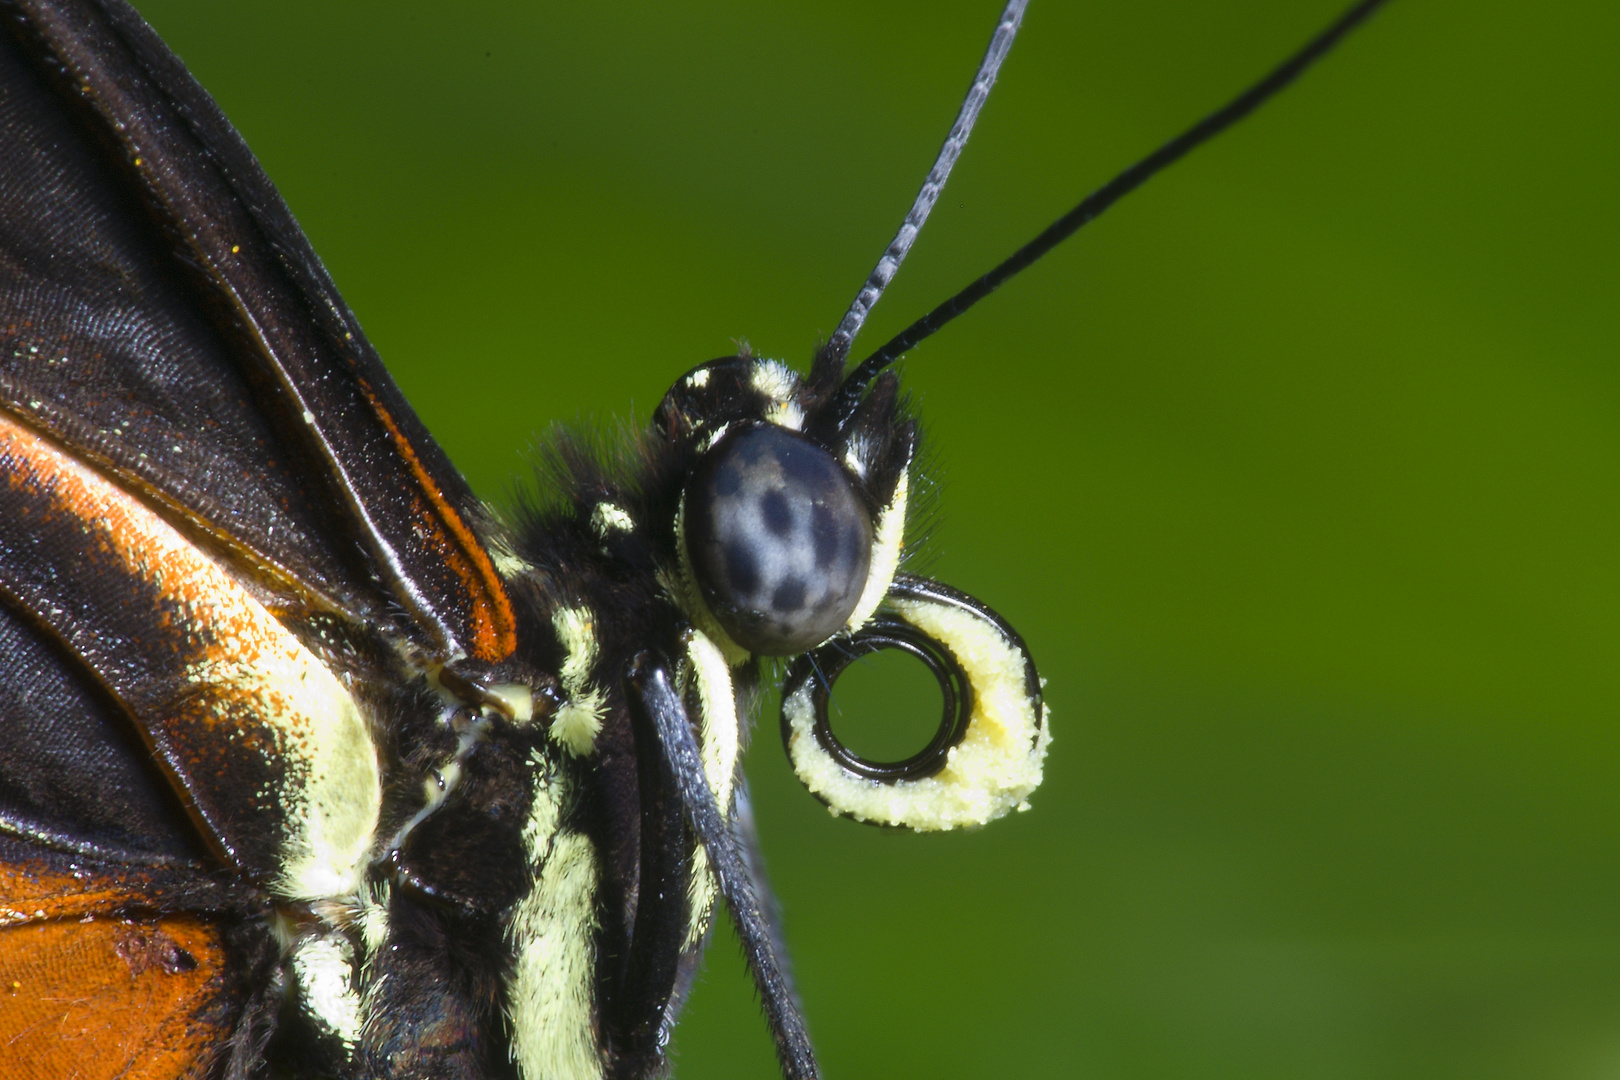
pixel 109 998
pixel 89 996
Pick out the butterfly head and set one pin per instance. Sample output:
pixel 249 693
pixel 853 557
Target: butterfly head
pixel 790 523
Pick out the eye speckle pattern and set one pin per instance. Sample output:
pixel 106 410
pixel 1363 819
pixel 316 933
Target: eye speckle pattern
pixel 779 543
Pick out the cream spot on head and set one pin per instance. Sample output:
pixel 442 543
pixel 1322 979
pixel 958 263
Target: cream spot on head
pixel 713 437
pixel 787 415
pixel 606 518
pixel 774 379
pixel 698 379
pixel 855 457
pixel 780 384
pixel 888 539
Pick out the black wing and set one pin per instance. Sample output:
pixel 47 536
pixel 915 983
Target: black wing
pixel 162 315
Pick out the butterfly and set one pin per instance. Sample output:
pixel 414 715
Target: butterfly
pixel 318 762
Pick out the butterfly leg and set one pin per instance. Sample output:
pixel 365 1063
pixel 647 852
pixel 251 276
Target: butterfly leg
pixel 654 690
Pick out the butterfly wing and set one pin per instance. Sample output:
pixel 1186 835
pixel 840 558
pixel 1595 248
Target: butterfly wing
pixel 214 504
pixel 166 319
pixel 90 828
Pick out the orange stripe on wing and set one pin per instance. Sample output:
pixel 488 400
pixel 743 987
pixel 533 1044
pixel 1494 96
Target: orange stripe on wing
pixel 494 629
pixel 33 894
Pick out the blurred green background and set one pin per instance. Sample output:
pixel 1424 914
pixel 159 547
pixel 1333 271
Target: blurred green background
pixel 1298 472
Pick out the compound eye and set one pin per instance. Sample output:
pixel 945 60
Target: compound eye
pixel 778 540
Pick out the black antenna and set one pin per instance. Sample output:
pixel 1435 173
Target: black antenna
pixel 837 346
pixel 1094 204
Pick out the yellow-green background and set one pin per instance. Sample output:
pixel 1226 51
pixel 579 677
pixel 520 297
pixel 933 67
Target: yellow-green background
pixel 1298 472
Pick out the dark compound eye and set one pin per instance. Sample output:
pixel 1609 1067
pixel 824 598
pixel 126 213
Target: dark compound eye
pixel 778 540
